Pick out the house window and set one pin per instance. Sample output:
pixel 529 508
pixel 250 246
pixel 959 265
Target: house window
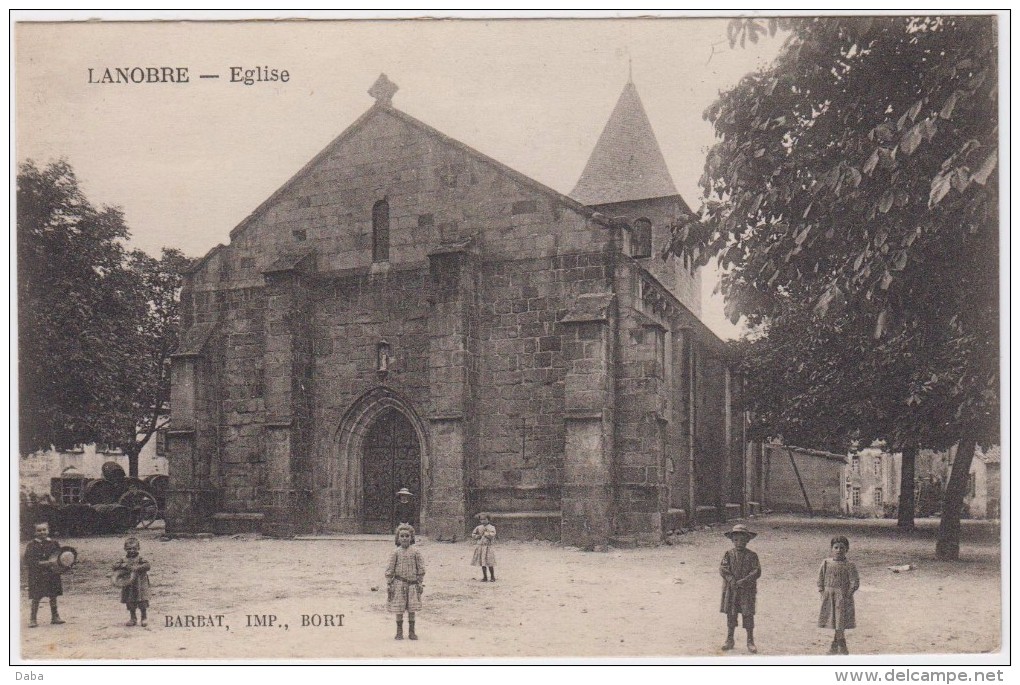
pixel 381 231
pixel 878 496
pixel 878 465
pixel 641 238
pixel 855 464
pixel 972 486
pixel 72 490
pixel 855 497
pixel 161 443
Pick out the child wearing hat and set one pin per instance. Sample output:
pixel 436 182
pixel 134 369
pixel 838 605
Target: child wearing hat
pixel 405 510
pixel 43 575
pixel 740 571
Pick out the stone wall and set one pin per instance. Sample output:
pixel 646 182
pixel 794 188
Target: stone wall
pixel 35 470
pixel 683 282
pixel 480 269
pixel 514 321
pixel 820 474
pixel 671 412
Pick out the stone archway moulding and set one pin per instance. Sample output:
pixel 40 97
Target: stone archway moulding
pixel 345 476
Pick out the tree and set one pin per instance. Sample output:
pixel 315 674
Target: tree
pixel 70 296
pixel 146 407
pixel 97 324
pixel 853 198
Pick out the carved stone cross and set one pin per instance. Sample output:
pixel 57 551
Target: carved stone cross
pixel 383 90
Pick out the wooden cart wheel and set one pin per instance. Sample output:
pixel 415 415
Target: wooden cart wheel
pixel 143 507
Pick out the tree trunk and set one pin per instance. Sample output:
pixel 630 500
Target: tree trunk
pixel 132 456
pixel 907 487
pixel 948 545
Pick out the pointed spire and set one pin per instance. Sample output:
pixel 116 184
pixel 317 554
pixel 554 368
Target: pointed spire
pixel 626 163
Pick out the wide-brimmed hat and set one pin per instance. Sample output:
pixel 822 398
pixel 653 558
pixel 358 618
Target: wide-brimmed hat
pixel 64 559
pixel 740 529
pixel 404 491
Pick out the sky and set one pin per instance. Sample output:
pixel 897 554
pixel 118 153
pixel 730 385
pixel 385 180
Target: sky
pixel 188 162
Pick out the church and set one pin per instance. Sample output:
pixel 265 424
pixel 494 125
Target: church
pixel 409 313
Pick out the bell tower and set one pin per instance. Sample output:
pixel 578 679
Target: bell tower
pixel 626 176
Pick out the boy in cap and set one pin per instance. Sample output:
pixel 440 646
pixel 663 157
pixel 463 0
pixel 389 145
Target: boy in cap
pixel 740 571
pixel 43 577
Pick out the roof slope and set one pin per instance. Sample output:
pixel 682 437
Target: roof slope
pixel 626 163
pixel 383 108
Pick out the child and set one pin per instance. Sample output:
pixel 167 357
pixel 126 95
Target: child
pixel 404 574
pixel 740 571
pixel 43 577
pixel 837 582
pixel 136 593
pixel 405 510
pixel 484 555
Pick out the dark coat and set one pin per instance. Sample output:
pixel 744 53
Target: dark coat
pixel 406 512
pixel 740 571
pixel 43 581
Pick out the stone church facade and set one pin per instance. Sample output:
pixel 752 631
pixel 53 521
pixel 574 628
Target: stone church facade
pixel 407 312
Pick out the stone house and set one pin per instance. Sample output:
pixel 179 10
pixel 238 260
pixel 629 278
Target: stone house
pixel 408 312
pixel 983 498
pixel 871 482
pixel 36 470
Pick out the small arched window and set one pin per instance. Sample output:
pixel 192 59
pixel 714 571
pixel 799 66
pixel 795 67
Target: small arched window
pixel 381 231
pixel 641 238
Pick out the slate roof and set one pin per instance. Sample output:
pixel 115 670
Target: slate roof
pixel 626 163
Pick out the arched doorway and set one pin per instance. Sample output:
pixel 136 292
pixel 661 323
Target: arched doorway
pixel 391 460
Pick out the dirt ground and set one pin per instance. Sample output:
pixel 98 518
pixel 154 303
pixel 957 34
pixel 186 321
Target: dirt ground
pixel 549 601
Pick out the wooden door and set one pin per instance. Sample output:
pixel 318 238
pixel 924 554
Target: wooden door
pixel 392 460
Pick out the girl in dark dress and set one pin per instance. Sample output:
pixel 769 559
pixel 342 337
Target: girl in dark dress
pixel 43 577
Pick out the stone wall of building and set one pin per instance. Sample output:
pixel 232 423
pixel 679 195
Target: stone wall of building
pixel 871 484
pixel 35 470
pixel 535 360
pixel 671 416
pixel 683 281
